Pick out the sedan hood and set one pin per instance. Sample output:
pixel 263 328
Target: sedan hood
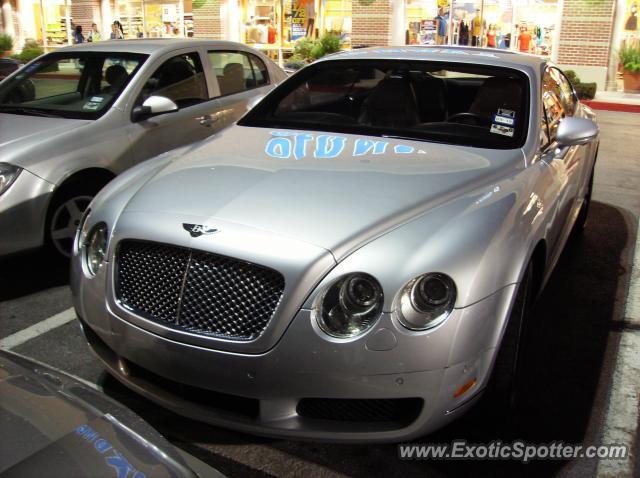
pixel 333 191
pixel 55 426
pixel 18 133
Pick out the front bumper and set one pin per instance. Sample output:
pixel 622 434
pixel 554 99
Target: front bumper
pixel 23 210
pixel 262 393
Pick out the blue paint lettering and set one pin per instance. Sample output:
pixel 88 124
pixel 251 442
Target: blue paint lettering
pixel 329 147
pixel 300 150
pixel 366 146
pixel 121 464
pixel 402 149
pixel 102 445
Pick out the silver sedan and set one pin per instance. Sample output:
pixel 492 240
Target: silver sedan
pixel 72 120
pixel 362 267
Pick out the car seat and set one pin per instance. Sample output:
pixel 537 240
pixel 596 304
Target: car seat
pixel 392 103
pixel 115 75
pixel 232 79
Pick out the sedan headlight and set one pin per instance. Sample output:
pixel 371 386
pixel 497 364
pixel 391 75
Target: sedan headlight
pixel 426 301
pixel 8 174
pixel 96 247
pixel 349 306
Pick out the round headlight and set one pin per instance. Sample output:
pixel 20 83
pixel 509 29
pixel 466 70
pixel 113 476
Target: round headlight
pixel 96 246
pixel 426 301
pixel 349 306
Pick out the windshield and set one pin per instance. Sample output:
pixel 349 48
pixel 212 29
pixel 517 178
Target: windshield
pixel 70 85
pixel 473 105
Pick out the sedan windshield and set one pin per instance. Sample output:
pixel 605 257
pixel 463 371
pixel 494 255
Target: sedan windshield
pixel 473 105
pixel 69 85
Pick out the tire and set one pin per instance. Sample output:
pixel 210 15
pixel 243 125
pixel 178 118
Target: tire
pixel 504 387
pixel 63 217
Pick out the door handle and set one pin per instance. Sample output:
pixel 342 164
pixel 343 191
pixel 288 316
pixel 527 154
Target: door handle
pixel 207 120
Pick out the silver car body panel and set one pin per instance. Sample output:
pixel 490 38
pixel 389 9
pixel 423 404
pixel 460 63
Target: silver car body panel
pixel 476 215
pixel 57 148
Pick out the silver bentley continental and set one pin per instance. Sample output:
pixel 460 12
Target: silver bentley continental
pixel 353 260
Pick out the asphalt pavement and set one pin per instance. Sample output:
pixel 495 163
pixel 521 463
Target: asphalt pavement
pixel 579 324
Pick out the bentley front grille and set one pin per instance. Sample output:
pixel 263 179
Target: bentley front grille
pixel 196 291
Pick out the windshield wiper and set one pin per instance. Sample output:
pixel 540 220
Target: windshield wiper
pixel 26 111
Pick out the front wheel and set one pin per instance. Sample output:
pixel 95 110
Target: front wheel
pixel 581 220
pixel 63 219
pixel 505 384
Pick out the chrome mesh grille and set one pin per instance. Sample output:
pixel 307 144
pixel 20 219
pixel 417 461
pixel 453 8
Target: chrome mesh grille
pixel 200 292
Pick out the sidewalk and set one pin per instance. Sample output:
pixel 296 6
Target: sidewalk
pixel 615 101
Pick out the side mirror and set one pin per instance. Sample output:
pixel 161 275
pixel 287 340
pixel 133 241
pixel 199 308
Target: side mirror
pixel 574 131
pixel 254 101
pixel 153 106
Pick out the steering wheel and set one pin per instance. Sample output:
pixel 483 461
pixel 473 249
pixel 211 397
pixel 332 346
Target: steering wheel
pixel 465 117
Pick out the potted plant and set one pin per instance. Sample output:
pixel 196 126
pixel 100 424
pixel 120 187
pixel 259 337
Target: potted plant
pixel 6 44
pixel 629 56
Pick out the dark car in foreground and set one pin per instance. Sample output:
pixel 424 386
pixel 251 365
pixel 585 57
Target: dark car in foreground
pixel 55 426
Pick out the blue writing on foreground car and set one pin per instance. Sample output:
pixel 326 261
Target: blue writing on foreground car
pixel 355 259
pixel 54 425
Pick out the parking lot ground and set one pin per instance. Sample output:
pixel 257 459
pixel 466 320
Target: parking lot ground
pixel 581 322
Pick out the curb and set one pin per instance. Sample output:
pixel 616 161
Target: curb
pixel 608 106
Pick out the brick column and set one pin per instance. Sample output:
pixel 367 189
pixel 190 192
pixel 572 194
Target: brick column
pixel 84 13
pixel 371 23
pixel 207 22
pixel 585 38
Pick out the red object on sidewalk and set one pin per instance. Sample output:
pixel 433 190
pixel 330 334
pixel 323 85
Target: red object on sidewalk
pixel 605 105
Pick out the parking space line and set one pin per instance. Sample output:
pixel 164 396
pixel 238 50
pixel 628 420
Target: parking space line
pixel 621 421
pixel 40 328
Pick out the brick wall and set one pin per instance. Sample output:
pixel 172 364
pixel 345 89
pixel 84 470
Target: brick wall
pixel 371 23
pixel 586 32
pixel 207 22
pixel 84 13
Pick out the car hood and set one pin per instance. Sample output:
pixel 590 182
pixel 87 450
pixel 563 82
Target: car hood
pixel 56 426
pixel 333 191
pixel 19 133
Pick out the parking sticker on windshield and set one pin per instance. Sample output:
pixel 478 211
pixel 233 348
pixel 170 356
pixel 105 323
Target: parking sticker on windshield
pixel 505 117
pixel 503 130
pixel 97 99
pixel 91 106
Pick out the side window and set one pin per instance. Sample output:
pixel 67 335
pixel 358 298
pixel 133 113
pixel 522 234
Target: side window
pixel 235 72
pixel 551 99
pixel 181 79
pixel 259 70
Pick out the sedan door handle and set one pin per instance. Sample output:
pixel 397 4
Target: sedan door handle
pixel 207 120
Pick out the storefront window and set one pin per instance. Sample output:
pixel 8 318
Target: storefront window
pixel 154 19
pixel 337 19
pixel 421 23
pixel 535 26
pixel 52 22
pixel 467 22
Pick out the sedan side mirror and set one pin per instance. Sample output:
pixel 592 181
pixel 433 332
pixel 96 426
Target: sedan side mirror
pixel 153 106
pixel 574 131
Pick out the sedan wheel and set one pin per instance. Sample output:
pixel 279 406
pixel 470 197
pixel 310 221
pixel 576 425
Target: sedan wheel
pixel 506 379
pixel 65 221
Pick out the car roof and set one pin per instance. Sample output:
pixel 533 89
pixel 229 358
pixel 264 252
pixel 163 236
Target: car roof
pixel 151 45
pixel 455 54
